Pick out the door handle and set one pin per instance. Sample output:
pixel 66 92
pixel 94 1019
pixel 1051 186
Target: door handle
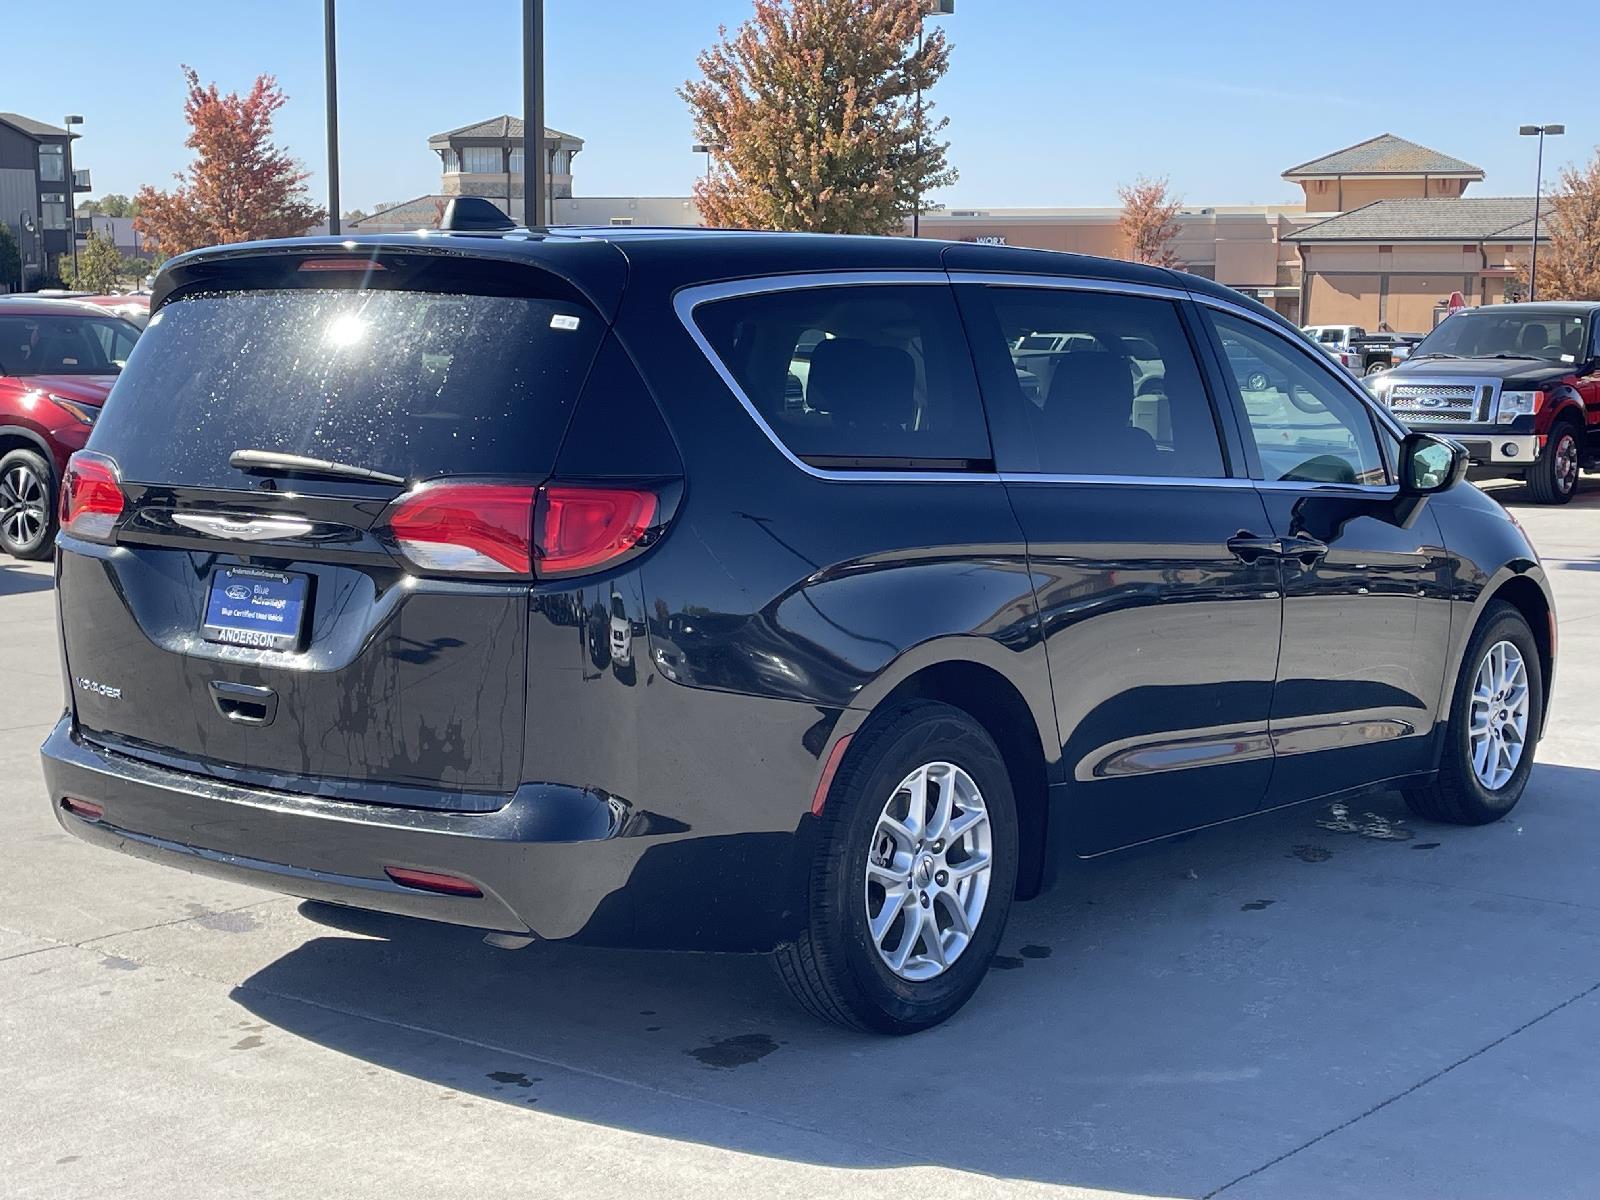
pixel 1308 550
pixel 1247 547
pixel 244 704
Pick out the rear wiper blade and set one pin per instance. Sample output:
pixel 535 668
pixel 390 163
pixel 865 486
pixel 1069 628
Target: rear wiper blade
pixel 272 461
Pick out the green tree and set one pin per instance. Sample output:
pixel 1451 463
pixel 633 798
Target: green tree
pixel 99 266
pixel 10 259
pixel 813 108
pixel 113 205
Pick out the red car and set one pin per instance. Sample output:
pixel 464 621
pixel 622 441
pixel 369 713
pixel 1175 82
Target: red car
pixel 58 360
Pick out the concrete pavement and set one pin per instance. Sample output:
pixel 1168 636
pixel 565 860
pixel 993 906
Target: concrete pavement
pixel 1314 1004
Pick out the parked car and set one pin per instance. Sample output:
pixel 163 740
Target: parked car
pixel 58 360
pixel 1517 384
pixel 1360 352
pixel 350 563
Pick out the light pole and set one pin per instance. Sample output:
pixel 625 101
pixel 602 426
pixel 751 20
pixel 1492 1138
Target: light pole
pixel 930 8
pixel 533 191
pixel 708 150
pixel 1538 189
pixel 72 194
pixel 330 69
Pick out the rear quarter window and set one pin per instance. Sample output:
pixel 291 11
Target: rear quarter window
pixel 417 384
pixel 856 376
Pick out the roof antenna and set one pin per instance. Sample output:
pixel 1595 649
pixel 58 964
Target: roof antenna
pixel 474 214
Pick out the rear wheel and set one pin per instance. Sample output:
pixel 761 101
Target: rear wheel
pixel 1554 478
pixel 1494 724
pixel 1377 368
pixel 27 505
pixel 914 874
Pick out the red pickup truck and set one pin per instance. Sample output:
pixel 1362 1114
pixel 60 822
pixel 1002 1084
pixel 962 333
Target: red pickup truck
pixel 1517 384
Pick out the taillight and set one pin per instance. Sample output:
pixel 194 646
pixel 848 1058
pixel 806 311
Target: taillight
pixel 91 496
pixel 518 530
pixel 580 528
pixel 467 528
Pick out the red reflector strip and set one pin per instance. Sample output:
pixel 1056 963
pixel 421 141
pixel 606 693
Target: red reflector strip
pixel 432 881
pixel 82 808
pixel 342 264
pixel 820 797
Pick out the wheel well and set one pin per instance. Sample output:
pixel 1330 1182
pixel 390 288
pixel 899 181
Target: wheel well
pixel 994 702
pixel 1524 595
pixel 10 440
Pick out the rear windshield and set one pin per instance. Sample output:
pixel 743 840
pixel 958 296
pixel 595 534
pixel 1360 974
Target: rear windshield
pixel 416 384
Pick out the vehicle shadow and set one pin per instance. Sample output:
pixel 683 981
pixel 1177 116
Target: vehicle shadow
pixel 1163 1022
pixel 17 580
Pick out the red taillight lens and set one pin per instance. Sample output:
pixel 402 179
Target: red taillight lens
pixel 91 496
pixel 467 528
pixel 581 528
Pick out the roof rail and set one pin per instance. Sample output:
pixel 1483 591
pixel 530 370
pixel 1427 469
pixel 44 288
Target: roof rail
pixel 474 213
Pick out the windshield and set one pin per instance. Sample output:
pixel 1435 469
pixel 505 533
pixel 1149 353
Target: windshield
pixel 414 384
pixel 64 344
pixel 1546 334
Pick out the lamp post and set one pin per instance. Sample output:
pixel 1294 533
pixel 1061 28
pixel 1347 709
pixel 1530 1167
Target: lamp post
pixel 708 150
pixel 72 196
pixel 533 190
pixel 1538 189
pixel 930 8
pixel 330 69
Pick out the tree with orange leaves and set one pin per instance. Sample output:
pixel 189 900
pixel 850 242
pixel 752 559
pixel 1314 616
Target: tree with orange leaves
pixel 1149 221
pixel 1569 262
pixel 240 186
pixel 812 110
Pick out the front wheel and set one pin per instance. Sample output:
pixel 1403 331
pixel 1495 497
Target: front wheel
pixel 1554 478
pixel 1377 368
pixel 27 506
pixel 1495 718
pixel 914 874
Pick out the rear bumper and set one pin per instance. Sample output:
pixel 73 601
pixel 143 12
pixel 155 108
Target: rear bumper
pixel 558 862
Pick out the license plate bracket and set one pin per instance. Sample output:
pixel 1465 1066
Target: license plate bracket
pixel 257 607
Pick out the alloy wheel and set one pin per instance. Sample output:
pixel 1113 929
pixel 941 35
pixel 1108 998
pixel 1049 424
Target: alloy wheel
pixel 1498 725
pixel 1566 463
pixel 927 872
pixel 24 507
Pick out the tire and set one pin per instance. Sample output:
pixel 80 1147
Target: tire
pixel 1554 478
pixel 1376 368
pixel 835 968
pixel 1459 795
pixel 27 505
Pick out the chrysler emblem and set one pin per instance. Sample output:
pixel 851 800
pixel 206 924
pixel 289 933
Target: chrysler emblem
pixel 245 529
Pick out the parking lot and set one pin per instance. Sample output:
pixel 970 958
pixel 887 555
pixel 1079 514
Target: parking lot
pixel 1320 1003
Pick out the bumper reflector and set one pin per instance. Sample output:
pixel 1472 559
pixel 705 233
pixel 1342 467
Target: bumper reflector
pixel 82 808
pixel 820 796
pixel 432 881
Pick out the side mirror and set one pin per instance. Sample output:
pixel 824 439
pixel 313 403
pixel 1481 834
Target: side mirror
pixel 1430 464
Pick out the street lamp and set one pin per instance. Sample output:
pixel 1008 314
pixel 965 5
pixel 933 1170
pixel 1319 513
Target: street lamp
pixel 1538 188
pixel 72 194
pixel 534 211
pixel 330 72
pixel 930 8
pixel 706 149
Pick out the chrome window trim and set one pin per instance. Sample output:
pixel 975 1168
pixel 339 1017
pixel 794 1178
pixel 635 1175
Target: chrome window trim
pixel 1191 481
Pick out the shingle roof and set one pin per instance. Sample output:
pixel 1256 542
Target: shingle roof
pixel 499 127
pixel 1436 220
pixel 1384 155
pixel 29 126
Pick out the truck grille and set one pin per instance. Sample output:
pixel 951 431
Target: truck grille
pixel 1440 401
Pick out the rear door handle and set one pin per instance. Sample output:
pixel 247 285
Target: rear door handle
pixel 1247 547
pixel 1308 550
pixel 243 703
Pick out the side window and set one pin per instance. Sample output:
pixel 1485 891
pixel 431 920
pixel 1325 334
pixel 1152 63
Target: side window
pixel 1307 427
pixel 859 376
pixel 115 342
pixel 1089 383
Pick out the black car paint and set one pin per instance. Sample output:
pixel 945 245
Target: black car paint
pixel 665 800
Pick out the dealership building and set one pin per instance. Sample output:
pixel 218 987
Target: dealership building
pixel 1382 235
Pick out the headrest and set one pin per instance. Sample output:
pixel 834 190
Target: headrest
pixel 861 385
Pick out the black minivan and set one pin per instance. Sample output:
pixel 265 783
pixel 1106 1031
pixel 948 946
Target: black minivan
pixel 756 592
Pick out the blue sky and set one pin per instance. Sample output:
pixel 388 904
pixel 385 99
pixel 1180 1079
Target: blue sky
pixel 1051 102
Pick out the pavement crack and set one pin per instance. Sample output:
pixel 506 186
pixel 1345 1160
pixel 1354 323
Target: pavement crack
pixel 1401 1095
